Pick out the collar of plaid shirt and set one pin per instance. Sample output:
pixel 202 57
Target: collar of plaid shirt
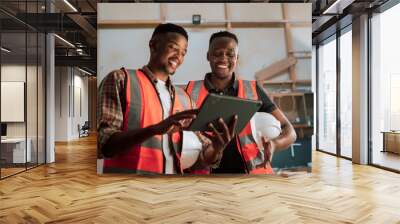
pixel 146 70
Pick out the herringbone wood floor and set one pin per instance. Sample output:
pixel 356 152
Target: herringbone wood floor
pixel 70 191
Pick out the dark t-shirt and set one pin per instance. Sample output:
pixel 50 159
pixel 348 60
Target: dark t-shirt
pixel 232 161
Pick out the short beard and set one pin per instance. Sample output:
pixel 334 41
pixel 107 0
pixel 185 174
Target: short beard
pixel 165 70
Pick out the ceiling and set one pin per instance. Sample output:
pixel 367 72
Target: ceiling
pixel 76 22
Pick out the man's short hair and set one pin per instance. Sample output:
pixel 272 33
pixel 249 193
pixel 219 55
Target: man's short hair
pixel 223 34
pixel 169 28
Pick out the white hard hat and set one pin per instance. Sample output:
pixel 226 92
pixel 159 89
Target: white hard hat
pixel 191 147
pixel 265 125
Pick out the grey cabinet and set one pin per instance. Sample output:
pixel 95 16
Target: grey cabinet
pixel 298 155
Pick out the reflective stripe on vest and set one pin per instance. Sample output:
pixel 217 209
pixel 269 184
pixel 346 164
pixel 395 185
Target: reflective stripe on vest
pixel 246 143
pixel 181 102
pixel 197 91
pixel 143 108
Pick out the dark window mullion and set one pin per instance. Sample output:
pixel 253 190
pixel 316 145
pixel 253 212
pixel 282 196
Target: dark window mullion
pixel 37 91
pixel 26 87
pixel 317 96
pixel 369 96
pixel 45 73
pixel 338 94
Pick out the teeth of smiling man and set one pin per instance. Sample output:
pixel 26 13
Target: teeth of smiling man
pixel 174 63
pixel 222 66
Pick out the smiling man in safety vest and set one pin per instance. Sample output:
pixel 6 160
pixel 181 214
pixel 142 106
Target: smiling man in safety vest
pixel 242 154
pixel 141 115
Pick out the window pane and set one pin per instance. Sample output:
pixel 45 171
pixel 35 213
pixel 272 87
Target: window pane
pixel 346 94
pixel 386 89
pixel 14 153
pixel 31 97
pixel 327 97
pixel 41 98
pixel 22 76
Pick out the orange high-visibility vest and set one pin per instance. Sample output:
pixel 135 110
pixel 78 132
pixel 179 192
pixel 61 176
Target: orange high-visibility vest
pixel 144 108
pixel 247 146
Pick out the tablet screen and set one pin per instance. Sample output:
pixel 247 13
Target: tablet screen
pixel 225 107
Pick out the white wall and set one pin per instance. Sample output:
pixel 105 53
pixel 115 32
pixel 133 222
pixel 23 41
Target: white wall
pixel 79 117
pixel 12 73
pixel 258 47
pixel 61 103
pixel 33 126
pixel 69 82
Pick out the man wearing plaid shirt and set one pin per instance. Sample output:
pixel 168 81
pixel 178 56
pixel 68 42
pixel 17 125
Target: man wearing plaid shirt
pixel 116 142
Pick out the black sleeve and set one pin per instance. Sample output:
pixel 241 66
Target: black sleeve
pixel 268 106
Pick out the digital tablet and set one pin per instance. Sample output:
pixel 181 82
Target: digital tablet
pixel 218 106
